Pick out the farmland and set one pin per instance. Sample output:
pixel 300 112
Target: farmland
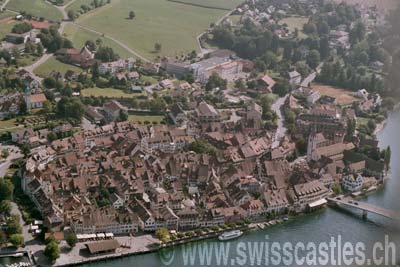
pixel 54 65
pixel 37 8
pixel 6 28
pixel 342 96
pixel 173 25
pixel 216 4
pixel 79 36
pixel 107 92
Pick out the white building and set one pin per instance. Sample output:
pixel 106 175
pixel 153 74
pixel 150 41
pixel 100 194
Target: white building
pixel 353 182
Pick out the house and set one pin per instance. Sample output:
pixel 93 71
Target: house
pixel 93 115
pixel 266 84
pixel 36 101
pixel 353 182
pixel 117 66
pixel 113 109
pixel 207 113
pixel 294 77
pixel 83 58
pixel 276 201
pixel 166 84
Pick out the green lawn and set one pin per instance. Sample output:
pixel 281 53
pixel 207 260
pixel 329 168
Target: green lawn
pixel 6 14
pixel 143 118
pixel 76 6
pixel 26 60
pixel 221 4
pixel 80 36
pixel 54 65
pixel 9 125
pixel 38 8
pixel 174 25
pixel 295 22
pixel 107 92
pixel 5 27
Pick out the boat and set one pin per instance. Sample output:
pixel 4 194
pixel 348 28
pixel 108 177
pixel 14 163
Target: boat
pixel 286 218
pixel 17 255
pixel 230 235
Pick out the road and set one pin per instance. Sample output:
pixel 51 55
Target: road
pixel 15 153
pixel 281 130
pixel 204 51
pixel 136 54
pixel 3 6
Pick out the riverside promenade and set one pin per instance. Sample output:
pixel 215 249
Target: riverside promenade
pixel 80 255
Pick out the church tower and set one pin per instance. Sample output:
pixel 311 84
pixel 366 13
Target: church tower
pixel 28 92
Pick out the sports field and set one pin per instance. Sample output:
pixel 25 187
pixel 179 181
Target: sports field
pixel 174 25
pixel 38 8
pixel 343 97
pixel 80 36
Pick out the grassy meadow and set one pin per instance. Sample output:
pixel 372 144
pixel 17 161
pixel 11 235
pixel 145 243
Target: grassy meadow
pixel 38 8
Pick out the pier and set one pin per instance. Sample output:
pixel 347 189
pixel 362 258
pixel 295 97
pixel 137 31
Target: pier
pixel 364 207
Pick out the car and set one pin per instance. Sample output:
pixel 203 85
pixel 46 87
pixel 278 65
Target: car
pixel 355 203
pixel 351 202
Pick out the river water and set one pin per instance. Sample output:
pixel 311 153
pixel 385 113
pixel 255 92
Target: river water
pixel 317 227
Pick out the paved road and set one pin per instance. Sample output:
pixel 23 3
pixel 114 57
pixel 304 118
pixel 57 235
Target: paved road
pixel 281 130
pixel 113 39
pixel 39 62
pixel 15 153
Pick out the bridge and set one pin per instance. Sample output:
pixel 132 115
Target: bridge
pixel 364 207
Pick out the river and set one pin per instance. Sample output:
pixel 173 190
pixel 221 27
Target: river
pixel 317 227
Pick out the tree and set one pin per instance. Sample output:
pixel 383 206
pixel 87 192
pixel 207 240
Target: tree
pixel 72 15
pixel 17 240
pixel 106 54
pixel 21 28
pixel 3 239
pixel 6 189
pixel 5 153
pixel 132 14
pixel 163 235
pixel 13 225
pixel 52 251
pixel 26 150
pixel 216 81
pixel 70 108
pixel 157 47
pixel 313 59
pixel 123 116
pixel 281 88
pixel 5 207
pixel 71 240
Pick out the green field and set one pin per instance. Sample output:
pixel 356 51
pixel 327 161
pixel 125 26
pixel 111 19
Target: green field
pixel 80 36
pixel 107 92
pixel 54 65
pixel 174 25
pixel 144 118
pixel 221 4
pixel 6 14
pixel 6 27
pixel 295 22
pixel 38 8
pixel 76 6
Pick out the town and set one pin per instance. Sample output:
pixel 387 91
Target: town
pixel 279 116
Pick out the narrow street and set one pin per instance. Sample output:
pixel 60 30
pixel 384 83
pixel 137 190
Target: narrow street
pixel 281 130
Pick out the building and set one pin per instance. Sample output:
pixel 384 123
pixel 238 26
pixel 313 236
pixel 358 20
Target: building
pixel 306 193
pixel 266 84
pixel 294 77
pixel 117 66
pixel 112 110
pixel 224 67
pixel 353 182
pixel 177 68
pixel 207 113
